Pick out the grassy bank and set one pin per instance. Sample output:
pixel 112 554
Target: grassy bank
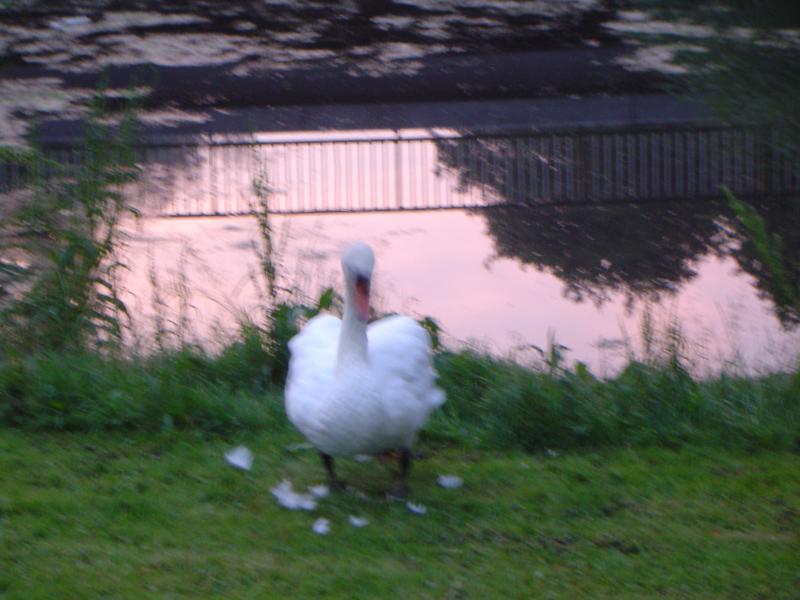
pixel 113 482
pixel 492 403
pixel 66 361
pixel 94 515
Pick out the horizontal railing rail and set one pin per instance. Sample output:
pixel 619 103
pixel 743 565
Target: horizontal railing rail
pixel 415 170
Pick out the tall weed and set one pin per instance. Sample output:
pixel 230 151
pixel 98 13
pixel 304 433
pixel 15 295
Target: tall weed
pixel 86 392
pixel 69 222
pixel 499 404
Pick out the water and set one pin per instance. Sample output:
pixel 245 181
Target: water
pixel 447 168
pixel 446 264
pixel 565 229
pixel 614 186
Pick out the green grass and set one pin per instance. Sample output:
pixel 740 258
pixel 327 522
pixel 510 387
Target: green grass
pixel 494 403
pixel 491 403
pixel 162 515
pixel 79 392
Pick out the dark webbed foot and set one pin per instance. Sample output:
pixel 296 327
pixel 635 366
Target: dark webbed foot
pixel 334 483
pixel 401 486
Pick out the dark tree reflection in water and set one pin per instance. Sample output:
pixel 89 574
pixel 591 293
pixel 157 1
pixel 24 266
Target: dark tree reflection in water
pixel 745 68
pixel 637 249
pixel 640 249
pixel 782 218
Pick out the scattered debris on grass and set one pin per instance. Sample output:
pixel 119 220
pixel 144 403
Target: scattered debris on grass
pixel 321 526
pixel 417 509
pixel 449 482
pixel 319 491
pixel 357 493
pixel 358 521
pixel 240 457
pixel 290 499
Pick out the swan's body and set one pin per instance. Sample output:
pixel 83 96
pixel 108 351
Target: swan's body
pixel 363 407
pixel 355 388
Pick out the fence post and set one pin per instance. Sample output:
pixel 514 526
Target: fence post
pixel 398 171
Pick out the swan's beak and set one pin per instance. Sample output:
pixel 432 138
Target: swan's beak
pixel 362 298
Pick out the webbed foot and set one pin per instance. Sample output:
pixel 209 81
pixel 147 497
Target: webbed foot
pixel 334 483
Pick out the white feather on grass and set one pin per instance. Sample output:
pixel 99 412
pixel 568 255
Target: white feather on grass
pixel 290 499
pixel 417 509
pixel 240 457
pixel 321 526
pixel 358 521
pixel 319 491
pixel 449 482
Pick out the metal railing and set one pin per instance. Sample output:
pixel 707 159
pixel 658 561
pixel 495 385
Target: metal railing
pixel 435 171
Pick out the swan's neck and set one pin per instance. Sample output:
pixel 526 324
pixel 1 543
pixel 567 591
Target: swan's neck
pixel 352 338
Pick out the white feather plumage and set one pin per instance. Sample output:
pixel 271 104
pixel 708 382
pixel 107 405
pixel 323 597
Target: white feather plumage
pixel 346 404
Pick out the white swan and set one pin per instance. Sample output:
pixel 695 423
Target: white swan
pixel 358 389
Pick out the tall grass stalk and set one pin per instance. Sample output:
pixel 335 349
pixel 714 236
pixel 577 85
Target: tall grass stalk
pixel 69 224
pixel 266 252
pixel 285 312
pixel 768 248
pixel 157 305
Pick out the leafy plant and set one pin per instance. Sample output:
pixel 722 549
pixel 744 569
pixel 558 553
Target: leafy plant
pixel 69 224
pixel 434 329
pixel 285 322
pixel 769 252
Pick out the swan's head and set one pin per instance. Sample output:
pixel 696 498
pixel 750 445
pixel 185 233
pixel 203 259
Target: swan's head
pixel 357 263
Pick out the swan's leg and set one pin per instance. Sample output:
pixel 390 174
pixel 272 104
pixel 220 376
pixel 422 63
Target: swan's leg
pixel 333 483
pixel 401 487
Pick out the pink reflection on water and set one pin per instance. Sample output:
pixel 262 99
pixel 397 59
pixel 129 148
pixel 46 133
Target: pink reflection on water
pixel 306 171
pixel 442 264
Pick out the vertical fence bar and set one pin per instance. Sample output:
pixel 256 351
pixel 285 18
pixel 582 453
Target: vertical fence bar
pixel 655 165
pixel 424 172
